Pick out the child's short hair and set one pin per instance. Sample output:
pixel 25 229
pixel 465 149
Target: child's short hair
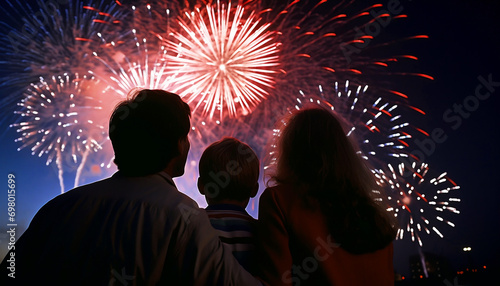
pixel 229 169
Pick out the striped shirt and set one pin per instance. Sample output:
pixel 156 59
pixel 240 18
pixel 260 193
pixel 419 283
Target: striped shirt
pixel 237 230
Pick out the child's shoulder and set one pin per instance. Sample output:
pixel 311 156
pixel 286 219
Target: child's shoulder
pixel 227 210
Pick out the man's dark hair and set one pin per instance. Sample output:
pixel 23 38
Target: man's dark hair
pixel 145 130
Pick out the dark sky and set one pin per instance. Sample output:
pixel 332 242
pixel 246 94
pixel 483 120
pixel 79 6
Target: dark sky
pixel 464 44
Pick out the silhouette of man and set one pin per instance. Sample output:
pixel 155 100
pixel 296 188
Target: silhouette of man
pixel 134 228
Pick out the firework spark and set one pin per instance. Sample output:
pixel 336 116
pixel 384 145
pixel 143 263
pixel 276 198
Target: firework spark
pixel 418 199
pixel 58 117
pixel 223 60
pixel 375 125
pixel 313 36
pixel 135 58
pixel 54 38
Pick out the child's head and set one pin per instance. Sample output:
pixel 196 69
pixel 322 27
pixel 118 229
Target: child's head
pixel 229 172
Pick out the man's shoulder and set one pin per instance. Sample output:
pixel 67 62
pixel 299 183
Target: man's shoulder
pixel 129 200
pixel 151 191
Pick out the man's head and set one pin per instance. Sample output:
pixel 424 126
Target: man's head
pixel 149 133
pixel 229 172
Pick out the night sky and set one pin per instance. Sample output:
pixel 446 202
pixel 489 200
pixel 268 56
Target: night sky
pixel 463 45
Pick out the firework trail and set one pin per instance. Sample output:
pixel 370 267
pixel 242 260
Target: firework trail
pixel 317 38
pixel 420 200
pixel 58 119
pixel 379 125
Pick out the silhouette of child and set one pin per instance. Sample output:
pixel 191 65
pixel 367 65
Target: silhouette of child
pixel 229 172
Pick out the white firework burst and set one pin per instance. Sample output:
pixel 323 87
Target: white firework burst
pixel 421 201
pixel 223 60
pixel 60 118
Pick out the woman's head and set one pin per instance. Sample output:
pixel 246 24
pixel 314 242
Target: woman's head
pixel 312 148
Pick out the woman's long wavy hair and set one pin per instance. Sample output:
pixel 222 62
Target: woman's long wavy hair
pixel 312 150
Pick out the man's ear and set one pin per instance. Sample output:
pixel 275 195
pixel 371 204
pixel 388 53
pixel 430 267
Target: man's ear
pixel 201 186
pixel 255 189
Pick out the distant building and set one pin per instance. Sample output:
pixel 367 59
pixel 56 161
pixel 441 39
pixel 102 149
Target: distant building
pixel 437 267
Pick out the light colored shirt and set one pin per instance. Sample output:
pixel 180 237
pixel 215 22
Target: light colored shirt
pixel 124 231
